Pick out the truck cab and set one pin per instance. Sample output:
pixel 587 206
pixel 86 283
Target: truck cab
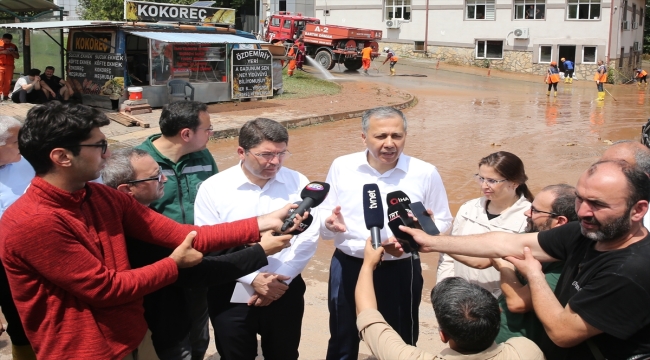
pixel 286 27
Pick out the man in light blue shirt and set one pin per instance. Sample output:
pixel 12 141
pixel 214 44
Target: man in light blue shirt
pixel 15 175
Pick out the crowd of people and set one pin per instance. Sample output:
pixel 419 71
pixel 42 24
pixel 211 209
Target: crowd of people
pixel 129 254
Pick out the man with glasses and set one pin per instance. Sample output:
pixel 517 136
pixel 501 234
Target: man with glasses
pixel 63 242
pixel 136 173
pixel 268 301
pixel 181 151
pixel 553 206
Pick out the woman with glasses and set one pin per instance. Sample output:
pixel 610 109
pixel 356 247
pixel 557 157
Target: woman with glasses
pixel 505 198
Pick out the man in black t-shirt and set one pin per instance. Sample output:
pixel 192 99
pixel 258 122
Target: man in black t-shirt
pixel 54 87
pixel 603 295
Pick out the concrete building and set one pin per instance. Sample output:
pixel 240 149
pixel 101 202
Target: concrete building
pixel 69 8
pixel 514 35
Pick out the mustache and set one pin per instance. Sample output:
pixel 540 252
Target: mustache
pixel 590 220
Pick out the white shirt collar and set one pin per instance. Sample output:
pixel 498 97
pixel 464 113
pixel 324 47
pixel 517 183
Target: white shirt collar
pixel 242 180
pixel 402 164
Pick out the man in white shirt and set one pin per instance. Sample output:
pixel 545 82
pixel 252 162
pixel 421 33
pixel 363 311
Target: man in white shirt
pixel 398 280
pixel 269 301
pixel 25 86
pixel 15 175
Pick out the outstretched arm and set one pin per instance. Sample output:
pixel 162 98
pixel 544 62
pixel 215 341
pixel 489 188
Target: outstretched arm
pixel 517 295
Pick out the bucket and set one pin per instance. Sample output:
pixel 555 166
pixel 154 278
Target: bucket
pixel 135 93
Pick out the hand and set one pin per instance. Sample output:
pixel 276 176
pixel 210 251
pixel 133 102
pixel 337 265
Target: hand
pixel 259 300
pixel 371 256
pixel 269 285
pixel 52 93
pixel 389 247
pixel 499 264
pixel 423 239
pixel 273 221
pixel 273 244
pixel 184 255
pixel 597 82
pixel 529 266
pixel 37 78
pixel 335 222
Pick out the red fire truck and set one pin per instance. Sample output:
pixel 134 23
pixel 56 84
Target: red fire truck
pixel 327 44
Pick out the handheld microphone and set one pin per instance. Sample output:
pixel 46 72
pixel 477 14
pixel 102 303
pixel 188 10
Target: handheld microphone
pixel 400 214
pixel 304 225
pixel 397 197
pixel 312 195
pixel 419 211
pixel 373 212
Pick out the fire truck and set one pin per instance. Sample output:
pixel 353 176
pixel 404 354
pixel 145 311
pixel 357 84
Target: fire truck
pixel 327 44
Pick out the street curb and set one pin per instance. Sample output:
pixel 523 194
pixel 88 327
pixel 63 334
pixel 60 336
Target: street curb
pixel 313 120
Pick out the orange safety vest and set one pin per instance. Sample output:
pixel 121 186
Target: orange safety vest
pixel 366 52
pixel 598 77
pixel 642 74
pixel 394 58
pixel 6 59
pixel 554 74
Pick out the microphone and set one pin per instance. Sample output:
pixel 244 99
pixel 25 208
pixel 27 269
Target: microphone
pixel 397 197
pixel 304 225
pixel 312 195
pixel 400 214
pixel 418 210
pixel 373 212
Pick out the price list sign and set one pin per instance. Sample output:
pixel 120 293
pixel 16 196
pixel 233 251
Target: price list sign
pixel 252 73
pixel 93 70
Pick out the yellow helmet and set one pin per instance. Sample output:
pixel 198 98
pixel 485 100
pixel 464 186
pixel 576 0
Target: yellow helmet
pixel 562 59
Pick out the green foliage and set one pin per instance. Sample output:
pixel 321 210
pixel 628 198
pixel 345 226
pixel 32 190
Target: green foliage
pixel 305 85
pixel 114 9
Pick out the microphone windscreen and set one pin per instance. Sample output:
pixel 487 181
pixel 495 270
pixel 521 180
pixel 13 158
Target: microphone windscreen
pixel 397 197
pixel 304 225
pixel 399 215
pixel 373 210
pixel 317 191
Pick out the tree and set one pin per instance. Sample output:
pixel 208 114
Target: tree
pixel 114 9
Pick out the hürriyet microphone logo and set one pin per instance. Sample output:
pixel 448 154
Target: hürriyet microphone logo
pixel 372 195
pixel 315 187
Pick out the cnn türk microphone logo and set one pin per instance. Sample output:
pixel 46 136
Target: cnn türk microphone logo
pixel 372 196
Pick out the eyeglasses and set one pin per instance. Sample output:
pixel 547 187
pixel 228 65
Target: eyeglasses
pixel 533 210
pixel 490 182
pixel 102 144
pixel 157 177
pixel 269 156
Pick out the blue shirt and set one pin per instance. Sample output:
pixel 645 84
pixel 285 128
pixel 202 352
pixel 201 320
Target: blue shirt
pixel 568 64
pixel 14 179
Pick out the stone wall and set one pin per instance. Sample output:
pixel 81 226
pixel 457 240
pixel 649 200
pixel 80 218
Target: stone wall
pixel 513 60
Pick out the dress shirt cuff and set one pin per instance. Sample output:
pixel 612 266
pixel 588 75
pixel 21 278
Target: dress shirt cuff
pixel 287 270
pixel 248 279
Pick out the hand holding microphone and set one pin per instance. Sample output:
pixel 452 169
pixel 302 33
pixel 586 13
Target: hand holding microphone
pixel 312 195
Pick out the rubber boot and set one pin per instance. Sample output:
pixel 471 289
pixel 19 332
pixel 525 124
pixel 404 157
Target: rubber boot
pixel 23 352
pixel 392 72
pixel 566 80
pixel 601 96
pixel 548 93
pixel 570 80
pixel 555 95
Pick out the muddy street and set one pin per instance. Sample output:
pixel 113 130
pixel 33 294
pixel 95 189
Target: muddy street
pixel 459 118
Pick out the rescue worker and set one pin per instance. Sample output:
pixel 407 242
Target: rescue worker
pixel 390 55
pixel 552 78
pixel 641 77
pixel 568 70
pixel 366 54
pixel 600 77
pixel 300 54
pixel 8 53
pixel 292 54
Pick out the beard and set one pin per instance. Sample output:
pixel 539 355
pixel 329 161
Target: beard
pixel 531 227
pixel 608 231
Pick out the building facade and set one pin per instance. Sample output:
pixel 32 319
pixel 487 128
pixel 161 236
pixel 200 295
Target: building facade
pixel 69 8
pixel 513 35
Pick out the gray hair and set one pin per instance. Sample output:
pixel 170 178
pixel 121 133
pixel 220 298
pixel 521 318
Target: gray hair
pixel 7 123
pixel 641 155
pixel 118 169
pixel 380 113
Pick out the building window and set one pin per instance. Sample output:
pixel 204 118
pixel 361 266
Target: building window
pixel 489 49
pixel 418 46
pixel 530 9
pixel 398 9
pixel 583 10
pixel 641 18
pixel 545 53
pixel 589 55
pixel 480 10
pixel 624 10
pixel 620 60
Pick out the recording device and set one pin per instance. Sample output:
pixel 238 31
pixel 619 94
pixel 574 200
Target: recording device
pixel 312 195
pixel 304 225
pixel 418 210
pixel 373 212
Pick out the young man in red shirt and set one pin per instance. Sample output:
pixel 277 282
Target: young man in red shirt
pixel 63 248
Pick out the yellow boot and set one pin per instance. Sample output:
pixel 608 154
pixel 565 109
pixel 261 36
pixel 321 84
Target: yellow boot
pixel 601 96
pixel 566 80
pixel 570 80
pixel 392 72
pixel 548 93
pixel 555 95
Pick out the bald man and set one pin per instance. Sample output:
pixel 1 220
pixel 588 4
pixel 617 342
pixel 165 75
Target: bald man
pixel 634 153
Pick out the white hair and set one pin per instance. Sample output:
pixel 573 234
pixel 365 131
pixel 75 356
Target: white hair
pixel 7 123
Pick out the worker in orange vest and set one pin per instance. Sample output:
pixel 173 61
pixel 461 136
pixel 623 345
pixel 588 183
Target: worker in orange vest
pixel 552 78
pixel 601 77
pixel 641 77
pixel 366 54
pixel 390 55
pixel 8 53
pixel 292 54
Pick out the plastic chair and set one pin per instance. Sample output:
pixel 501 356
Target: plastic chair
pixel 177 90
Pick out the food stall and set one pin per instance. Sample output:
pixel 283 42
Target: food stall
pixel 187 43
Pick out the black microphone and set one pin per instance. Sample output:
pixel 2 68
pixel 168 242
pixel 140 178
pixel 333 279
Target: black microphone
pixel 418 210
pixel 373 212
pixel 304 225
pixel 400 214
pixel 397 197
pixel 312 195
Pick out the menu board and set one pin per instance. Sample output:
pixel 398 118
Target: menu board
pixel 197 56
pixel 96 73
pixel 252 73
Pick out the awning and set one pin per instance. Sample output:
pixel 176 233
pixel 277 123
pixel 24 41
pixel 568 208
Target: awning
pixel 27 5
pixel 179 37
pixel 59 24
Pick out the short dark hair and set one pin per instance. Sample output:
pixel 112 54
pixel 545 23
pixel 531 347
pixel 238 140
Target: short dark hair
pixel 7 36
pixel 638 182
pixel 181 115
pixel 55 125
pixel 50 67
pixel 254 132
pixel 34 72
pixel 565 200
pixel 467 313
